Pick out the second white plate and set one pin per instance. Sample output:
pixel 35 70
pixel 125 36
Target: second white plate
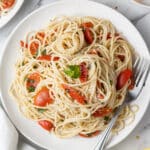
pixel 5 19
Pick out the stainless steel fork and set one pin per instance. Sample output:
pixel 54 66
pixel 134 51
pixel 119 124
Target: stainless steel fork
pixel 141 70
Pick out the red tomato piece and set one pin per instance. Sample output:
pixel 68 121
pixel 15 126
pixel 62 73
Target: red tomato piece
pixel 8 3
pixel 47 125
pixel 131 86
pixel 87 25
pixel 74 94
pixel 40 36
pixel 100 96
pixel 47 57
pixel 121 57
pixel 84 72
pixel 33 80
pixel 42 98
pixel 87 32
pixel 34 48
pixel 99 84
pixel 88 36
pixel 123 78
pixel 90 134
pixel 44 57
pixel 22 44
pixel 55 58
pixel 117 34
pixel 101 112
pixel 109 36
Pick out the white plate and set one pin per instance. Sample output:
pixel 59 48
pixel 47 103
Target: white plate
pixel 40 18
pixel 5 19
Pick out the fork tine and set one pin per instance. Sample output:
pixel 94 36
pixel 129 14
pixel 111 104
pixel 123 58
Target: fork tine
pixel 146 74
pixel 136 63
pixel 138 67
pixel 143 73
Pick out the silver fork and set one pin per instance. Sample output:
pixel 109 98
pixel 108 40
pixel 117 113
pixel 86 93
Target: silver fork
pixel 141 71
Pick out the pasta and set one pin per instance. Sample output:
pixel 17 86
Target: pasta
pixel 5 6
pixel 69 76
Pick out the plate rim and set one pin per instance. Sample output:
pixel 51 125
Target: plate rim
pixel 29 139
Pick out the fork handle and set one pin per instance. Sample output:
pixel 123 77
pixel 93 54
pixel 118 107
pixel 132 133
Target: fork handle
pixel 107 131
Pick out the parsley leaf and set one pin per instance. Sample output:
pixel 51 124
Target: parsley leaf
pixel 111 82
pixel 31 89
pixel 43 52
pixel 89 134
pixel 36 54
pixel 73 71
pixel 23 63
pixel 106 118
pixel 41 110
pixel 35 66
pixel 25 78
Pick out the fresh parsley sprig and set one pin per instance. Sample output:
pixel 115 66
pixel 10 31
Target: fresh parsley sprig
pixel 73 71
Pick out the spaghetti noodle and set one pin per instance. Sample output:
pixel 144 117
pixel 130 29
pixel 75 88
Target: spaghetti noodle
pixel 72 75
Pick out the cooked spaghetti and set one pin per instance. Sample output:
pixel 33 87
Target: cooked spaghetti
pixel 5 6
pixel 72 75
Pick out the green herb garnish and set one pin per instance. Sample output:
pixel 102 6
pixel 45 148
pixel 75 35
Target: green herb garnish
pixel 89 134
pixel 35 66
pixel 106 118
pixel 31 89
pixel 43 52
pixel 36 54
pixel 73 71
pixel 111 82
pixel 41 110
pixel 25 78
pixel 23 63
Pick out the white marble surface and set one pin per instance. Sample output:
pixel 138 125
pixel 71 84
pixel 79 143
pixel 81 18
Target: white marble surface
pixel 139 138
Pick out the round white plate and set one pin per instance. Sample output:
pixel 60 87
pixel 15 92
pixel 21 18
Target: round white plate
pixel 39 19
pixel 5 19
